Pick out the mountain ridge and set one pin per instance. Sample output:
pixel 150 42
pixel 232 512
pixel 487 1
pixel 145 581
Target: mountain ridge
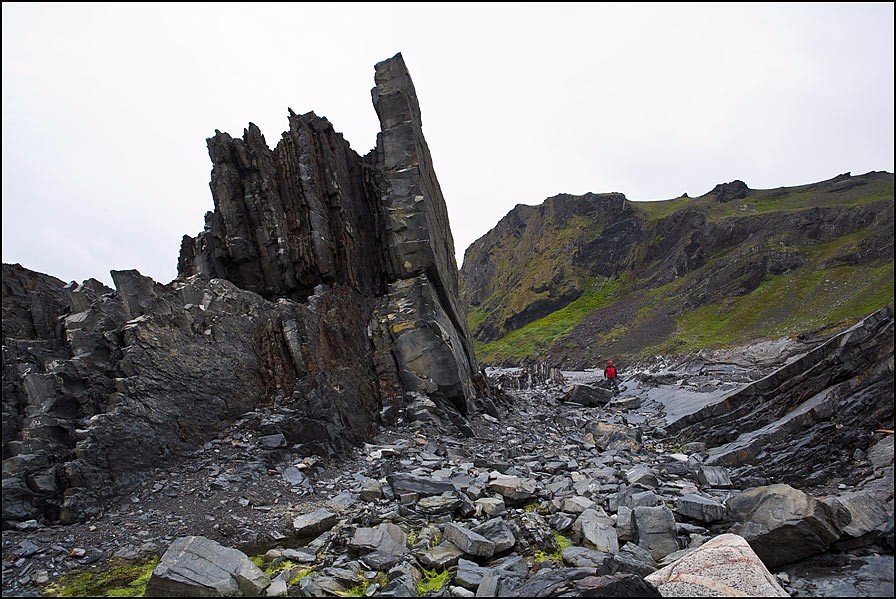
pixel 548 280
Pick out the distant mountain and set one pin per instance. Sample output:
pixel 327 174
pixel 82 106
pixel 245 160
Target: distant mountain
pixel 577 279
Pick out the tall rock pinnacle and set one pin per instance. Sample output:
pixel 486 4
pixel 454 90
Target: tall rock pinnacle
pixel 323 288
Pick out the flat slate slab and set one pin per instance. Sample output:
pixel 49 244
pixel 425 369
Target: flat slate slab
pixel 314 523
pixel 200 567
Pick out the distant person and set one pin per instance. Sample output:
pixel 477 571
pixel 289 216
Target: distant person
pixel 611 375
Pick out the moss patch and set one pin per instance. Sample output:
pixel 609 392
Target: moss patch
pixel 432 581
pixel 560 543
pixel 300 574
pixel 122 580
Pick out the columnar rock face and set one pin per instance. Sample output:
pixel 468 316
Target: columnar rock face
pixel 324 285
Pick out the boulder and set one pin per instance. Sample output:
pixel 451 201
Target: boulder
pixel 625 524
pixel 714 476
pixel 700 508
pixel 782 524
pixel 598 531
pixel 469 542
pixel 386 538
pixel 445 503
pixel 588 396
pixel 514 489
pixel 422 486
pixel 371 490
pixel 498 532
pixel 491 506
pixel 443 555
pixel 642 475
pixel 577 504
pixel 200 567
pixel 866 512
pixel 656 530
pixel 725 566
pixel 314 523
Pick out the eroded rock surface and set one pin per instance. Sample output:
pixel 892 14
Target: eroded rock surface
pixel 324 284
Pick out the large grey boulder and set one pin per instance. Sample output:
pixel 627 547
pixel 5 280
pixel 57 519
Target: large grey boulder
pixel 656 530
pixel 200 567
pixel 498 532
pixel 700 508
pixel 421 485
pixel 866 512
pixel 725 566
pixel 642 475
pixel 782 524
pixel 597 531
pixel 387 538
pixel 609 436
pixel 588 396
pixel 469 542
pixel 714 476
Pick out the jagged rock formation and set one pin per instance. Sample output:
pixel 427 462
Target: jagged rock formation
pixel 578 279
pixel 803 422
pixel 324 284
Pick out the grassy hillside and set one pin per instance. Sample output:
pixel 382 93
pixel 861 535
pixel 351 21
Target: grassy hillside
pixel 703 273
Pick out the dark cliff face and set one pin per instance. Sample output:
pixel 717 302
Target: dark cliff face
pixel 324 286
pixel 539 258
pixel 578 279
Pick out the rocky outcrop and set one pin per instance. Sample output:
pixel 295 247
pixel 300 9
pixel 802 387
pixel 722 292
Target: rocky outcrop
pixel 802 423
pixel 735 190
pixel 324 285
pixel 538 259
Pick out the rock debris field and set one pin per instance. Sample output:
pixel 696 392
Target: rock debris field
pixel 549 498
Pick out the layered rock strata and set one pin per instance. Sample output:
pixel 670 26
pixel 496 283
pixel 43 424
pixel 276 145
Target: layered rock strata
pixel 324 284
pixel 804 422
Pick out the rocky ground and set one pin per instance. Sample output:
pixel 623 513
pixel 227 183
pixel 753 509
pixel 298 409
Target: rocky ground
pixel 551 498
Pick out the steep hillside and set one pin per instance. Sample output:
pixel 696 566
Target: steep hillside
pixel 579 278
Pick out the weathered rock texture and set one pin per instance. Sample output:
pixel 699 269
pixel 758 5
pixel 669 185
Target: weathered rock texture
pixel 722 567
pixel 324 284
pixel 803 422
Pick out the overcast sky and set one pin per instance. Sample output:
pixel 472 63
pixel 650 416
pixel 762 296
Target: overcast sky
pixel 106 108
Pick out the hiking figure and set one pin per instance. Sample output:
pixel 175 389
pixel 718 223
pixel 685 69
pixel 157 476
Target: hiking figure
pixel 610 374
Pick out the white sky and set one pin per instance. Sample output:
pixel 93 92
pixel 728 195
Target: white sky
pixel 106 108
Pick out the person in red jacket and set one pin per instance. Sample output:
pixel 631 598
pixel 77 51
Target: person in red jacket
pixel 610 374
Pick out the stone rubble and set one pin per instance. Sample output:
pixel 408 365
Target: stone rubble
pixel 551 498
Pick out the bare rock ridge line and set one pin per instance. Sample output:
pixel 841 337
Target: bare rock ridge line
pixel 324 285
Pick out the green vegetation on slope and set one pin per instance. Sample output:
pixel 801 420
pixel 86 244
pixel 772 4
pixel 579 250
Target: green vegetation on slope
pixel 774 200
pixel 796 302
pixel 127 580
pixel 839 281
pixel 531 340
